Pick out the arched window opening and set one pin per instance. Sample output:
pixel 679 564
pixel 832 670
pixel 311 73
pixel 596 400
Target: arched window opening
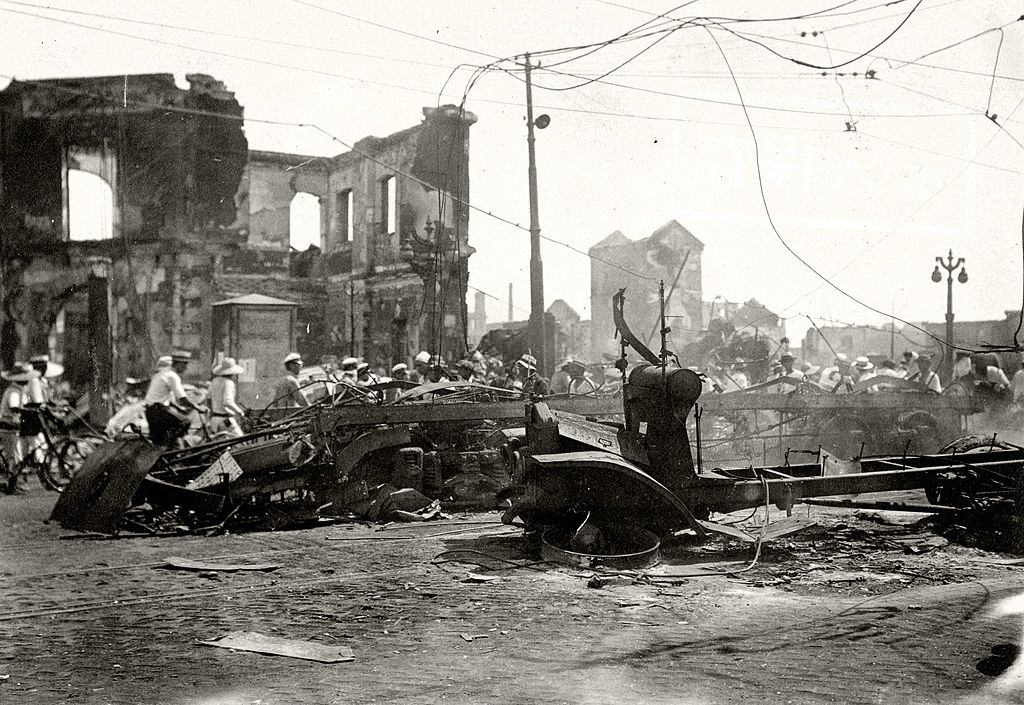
pixel 389 203
pixel 90 207
pixel 304 222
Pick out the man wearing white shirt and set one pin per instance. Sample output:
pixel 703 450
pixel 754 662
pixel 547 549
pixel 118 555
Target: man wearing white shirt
pixel 166 400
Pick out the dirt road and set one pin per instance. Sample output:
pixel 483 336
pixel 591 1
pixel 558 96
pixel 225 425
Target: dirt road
pixel 843 614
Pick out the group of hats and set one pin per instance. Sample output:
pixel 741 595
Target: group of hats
pixel 24 371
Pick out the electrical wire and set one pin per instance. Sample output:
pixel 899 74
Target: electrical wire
pixel 907 219
pixel 858 57
pixel 889 60
pixel 771 222
pixel 227 35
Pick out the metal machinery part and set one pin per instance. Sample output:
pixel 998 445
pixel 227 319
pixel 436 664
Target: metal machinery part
pixel 642 472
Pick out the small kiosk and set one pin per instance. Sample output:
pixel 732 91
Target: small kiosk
pixel 258 331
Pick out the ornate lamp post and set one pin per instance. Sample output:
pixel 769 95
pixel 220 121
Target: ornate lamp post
pixel 950 265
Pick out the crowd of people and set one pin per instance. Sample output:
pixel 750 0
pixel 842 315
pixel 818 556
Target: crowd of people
pixel 166 408
pixel 843 374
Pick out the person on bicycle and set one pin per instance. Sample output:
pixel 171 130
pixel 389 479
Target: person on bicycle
pixel 224 410
pixel 40 391
pixel 11 404
pixel 167 405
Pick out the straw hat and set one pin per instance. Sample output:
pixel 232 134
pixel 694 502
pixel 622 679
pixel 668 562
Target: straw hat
pixel 528 361
pixel 19 372
pixel 862 363
pixel 227 367
pixel 52 368
pixel 164 361
pixel 181 356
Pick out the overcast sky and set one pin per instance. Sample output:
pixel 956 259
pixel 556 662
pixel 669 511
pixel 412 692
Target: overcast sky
pixel 924 171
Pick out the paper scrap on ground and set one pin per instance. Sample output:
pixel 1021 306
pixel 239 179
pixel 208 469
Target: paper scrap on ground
pixel 186 564
pixel 263 644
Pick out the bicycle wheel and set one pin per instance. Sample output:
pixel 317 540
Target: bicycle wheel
pixel 8 475
pixel 69 456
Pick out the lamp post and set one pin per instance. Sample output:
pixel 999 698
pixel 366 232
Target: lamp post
pixel 950 265
pixel 537 327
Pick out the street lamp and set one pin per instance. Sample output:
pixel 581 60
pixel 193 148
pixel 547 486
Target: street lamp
pixel 950 266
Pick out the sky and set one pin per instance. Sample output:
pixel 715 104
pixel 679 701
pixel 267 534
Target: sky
pixel 866 180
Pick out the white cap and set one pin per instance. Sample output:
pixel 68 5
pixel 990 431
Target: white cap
pixel 164 361
pixel 423 357
pixel 291 357
pixel 400 367
pixel 349 363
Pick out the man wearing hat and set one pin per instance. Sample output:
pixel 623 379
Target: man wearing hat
pixel 788 370
pixel 466 370
pixel 926 375
pixel 167 405
pixel 863 369
pixel 287 392
pixel 908 365
pixel 400 372
pixel 578 381
pixel 365 378
pixel 349 370
pixel 524 376
pixel 39 389
pixel 421 367
pixel 225 411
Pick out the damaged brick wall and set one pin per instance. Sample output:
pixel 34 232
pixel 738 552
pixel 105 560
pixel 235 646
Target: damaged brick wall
pixel 175 179
pixel 198 218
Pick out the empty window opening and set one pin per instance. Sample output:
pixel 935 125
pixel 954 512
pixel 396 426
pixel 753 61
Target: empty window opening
pixel 304 222
pixel 90 207
pixel 389 192
pixel 345 215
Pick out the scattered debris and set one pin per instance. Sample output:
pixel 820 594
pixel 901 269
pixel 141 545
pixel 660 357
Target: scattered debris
pixel 186 564
pixel 262 644
pixel 471 637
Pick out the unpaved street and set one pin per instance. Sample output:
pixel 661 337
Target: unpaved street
pixel 846 613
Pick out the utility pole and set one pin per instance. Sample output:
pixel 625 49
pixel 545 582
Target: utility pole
pixel 536 265
pixel 950 265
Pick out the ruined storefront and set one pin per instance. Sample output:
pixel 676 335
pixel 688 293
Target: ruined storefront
pixel 195 217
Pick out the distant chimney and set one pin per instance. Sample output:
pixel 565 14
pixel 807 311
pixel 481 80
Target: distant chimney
pixel 509 302
pixel 479 313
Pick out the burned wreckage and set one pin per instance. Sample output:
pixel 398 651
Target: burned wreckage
pixel 572 472
pixel 567 464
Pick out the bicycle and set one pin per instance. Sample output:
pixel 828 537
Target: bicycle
pixel 55 456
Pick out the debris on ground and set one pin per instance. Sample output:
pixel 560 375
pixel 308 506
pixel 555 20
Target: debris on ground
pixel 276 646
pixel 178 563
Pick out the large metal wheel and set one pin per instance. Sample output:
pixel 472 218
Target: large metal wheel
pixel 845 436
pixel 922 430
pixel 62 462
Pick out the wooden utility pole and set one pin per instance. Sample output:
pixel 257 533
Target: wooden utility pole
pixel 537 341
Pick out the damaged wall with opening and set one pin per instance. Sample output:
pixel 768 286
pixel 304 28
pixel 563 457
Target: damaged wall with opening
pixel 183 215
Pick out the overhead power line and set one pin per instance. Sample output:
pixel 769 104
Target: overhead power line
pixel 778 234
pixel 227 35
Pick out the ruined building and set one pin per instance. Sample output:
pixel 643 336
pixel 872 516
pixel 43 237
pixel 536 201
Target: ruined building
pixel 671 254
pixel 195 217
